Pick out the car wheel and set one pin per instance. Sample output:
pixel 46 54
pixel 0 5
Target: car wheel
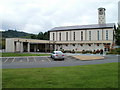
pixel 54 59
pixel 51 56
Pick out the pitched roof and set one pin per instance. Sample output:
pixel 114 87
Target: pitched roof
pixel 83 27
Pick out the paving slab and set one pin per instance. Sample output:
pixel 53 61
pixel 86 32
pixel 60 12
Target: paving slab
pixel 82 57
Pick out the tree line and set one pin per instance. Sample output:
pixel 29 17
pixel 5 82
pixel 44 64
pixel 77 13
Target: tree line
pixel 41 36
pixel 117 35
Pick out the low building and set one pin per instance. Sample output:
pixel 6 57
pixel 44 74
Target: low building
pixel 27 45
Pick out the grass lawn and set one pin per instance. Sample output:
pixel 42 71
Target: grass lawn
pixel 84 76
pixel 22 54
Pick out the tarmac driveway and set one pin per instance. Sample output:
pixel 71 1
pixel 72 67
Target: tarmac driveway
pixel 45 61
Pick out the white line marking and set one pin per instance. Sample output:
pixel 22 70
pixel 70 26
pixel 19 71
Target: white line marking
pixel 6 60
pixel 21 60
pixel 27 59
pixel 13 60
pixel 34 59
pixel 48 59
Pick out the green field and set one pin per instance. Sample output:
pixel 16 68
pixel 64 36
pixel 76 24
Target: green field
pixel 22 54
pixel 84 76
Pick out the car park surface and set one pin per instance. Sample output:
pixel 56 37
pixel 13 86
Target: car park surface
pixel 46 61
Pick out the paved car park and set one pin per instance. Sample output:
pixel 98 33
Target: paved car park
pixel 45 61
pixel 7 60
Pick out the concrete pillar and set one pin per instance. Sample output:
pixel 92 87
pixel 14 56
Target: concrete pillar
pixel 103 47
pixel 55 47
pixel 21 46
pixel 15 46
pixel 34 48
pixel 93 47
pixel 28 45
pixel 46 47
pixel 70 48
pixel 9 45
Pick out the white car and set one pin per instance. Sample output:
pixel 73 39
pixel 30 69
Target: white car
pixel 57 55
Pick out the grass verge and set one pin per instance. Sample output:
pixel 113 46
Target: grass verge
pixel 84 76
pixel 22 54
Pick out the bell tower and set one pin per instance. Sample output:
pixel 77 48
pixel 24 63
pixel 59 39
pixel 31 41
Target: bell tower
pixel 101 16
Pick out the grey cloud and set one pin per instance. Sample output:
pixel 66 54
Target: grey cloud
pixel 42 15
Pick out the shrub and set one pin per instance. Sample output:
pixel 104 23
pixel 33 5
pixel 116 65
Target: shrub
pixel 88 51
pixel 78 51
pixel 114 51
pixel 67 51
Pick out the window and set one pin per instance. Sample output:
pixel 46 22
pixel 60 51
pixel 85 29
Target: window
pixel 59 45
pixel 81 44
pixel 81 35
pixel 106 34
pixel 59 36
pixel 53 36
pixel 90 35
pixel 98 35
pixel 73 44
pixel 66 36
pixel 66 45
pixel 74 36
pixel 97 44
pixel 89 44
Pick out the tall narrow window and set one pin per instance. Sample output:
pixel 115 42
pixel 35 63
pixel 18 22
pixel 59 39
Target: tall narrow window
pixel 60 36
pixel 98 35
pixel 74 36
pixel 90 35
pixel 66 36
pixel 81 35
pixel 53 36
pixel 106 34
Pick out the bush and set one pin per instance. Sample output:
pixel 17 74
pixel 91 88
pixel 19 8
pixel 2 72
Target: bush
pixel 114 51
pixel 83 52
pixel 73 51
pixel 78 51
pixel 88 51
pixel 67 51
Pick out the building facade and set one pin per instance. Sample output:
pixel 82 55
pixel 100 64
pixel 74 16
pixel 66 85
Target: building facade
pixel 84 37
pixel 87 37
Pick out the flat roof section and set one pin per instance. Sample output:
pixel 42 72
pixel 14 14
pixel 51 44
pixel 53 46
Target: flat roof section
pixel 29 40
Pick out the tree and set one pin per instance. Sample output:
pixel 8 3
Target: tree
pixel 117 35
pixel 33 36
pixel 46 36
pixel 40 36
pixel 43 36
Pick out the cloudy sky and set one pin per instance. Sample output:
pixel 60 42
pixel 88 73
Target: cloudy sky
pixel 33 16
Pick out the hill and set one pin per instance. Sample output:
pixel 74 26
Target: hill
pixel 18 34
pixel 14 34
